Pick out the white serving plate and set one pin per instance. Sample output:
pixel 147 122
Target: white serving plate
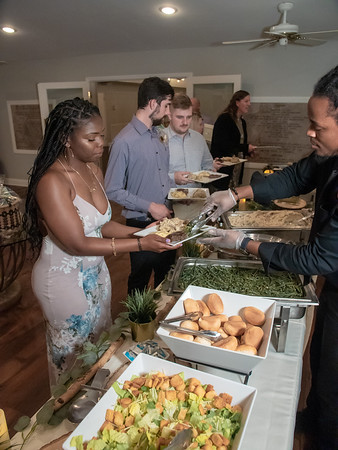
pixel 142 364
pixel 189 194
pixel 151 230
pixel 214 356
pixel 207 179
pixel 229 163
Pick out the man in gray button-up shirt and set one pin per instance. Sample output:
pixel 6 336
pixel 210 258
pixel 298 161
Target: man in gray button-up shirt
pixel 137 176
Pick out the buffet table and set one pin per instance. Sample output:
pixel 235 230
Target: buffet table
pixel 278 383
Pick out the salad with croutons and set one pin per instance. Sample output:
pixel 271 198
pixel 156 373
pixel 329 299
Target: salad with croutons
pixel 152 409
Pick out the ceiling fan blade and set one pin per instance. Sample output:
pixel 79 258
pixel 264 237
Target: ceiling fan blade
pixel 269 43
pixel 320 32
pixel 307 41
pixel 245 41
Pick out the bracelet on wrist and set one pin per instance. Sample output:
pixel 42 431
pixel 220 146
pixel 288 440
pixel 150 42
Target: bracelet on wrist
pixel 140 249
pixel 113 246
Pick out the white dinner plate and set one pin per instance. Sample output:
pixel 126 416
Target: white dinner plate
pixel 207 179
pixel 229 163
pixel 190 194
pixel 151 230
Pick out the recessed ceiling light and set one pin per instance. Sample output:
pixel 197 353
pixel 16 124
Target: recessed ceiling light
pixel 168 10
pixel 8 29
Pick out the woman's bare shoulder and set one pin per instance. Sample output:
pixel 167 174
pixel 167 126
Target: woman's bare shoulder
pixel 55 178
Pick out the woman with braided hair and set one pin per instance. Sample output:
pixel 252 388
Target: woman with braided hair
pixel 68 222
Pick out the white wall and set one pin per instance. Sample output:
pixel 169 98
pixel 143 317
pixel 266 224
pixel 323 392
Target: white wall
pixel 281 71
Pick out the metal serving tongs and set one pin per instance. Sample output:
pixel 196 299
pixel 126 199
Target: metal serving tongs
pixel 213 336
pixel 191 316
pixel 199 221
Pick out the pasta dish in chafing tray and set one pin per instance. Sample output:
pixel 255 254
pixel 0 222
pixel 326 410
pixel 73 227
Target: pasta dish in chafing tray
pixel 270 219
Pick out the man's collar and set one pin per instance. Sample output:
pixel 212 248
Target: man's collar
pixel 172 133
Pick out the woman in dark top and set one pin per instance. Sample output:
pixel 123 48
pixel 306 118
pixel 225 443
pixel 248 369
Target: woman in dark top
pixel 230 137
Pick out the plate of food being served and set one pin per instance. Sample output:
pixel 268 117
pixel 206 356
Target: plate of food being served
pixel 230 160
pixel 177 230
pixel 205 176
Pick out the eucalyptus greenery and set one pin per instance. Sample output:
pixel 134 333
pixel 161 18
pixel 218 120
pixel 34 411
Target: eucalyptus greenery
pixel 142 305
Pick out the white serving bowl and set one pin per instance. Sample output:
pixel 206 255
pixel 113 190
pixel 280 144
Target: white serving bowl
pixel 214 356
pixel 142 364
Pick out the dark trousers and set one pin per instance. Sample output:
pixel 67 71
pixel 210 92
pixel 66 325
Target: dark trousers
pixel 322 401
pixel 143 263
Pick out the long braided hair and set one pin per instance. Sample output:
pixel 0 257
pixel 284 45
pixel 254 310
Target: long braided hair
pixel 61 122
pixel 232 107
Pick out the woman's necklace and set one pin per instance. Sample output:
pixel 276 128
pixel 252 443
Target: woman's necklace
pixel 91 188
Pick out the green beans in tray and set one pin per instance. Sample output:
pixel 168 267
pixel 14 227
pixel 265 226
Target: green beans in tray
pixel 242 281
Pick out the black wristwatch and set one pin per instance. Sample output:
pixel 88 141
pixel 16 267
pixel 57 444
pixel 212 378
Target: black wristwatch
pixel 243 245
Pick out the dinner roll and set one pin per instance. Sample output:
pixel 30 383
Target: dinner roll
pixel 253 336
pixel 202 340
pixel 229 343
pixel 203 307
pixel 187 337
pixel 190 305
pixel 235 318
pixel 223 317
pixel 253 315
pixel 215 304
pixel 248 349
pixel 234 327
pixel 190 325
pixel 209 323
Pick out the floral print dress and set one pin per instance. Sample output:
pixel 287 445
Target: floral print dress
pixel 74 293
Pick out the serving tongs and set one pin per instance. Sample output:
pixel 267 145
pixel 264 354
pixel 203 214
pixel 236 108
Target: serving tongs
pixel 213 336
pixel 190 316
pixel 199 221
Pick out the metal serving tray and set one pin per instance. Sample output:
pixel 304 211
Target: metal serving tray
pixel 291 234
pixel 297 306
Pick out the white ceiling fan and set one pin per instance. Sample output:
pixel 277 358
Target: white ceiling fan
pixel 285 33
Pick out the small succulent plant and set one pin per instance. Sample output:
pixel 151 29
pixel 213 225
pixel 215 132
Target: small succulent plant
pixel 142 305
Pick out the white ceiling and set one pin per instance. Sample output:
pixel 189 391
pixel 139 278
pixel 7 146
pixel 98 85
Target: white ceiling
pixel 65 28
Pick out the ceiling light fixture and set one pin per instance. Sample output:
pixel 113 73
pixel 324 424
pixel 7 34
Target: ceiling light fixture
pixel 8 29
pixel 168 10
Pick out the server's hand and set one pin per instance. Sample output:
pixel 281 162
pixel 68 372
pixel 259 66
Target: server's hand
pixel 222 200
pixel 231 239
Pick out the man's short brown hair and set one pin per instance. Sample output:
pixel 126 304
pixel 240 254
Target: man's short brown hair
pixel 181 101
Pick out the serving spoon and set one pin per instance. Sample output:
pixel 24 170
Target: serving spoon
pixel 81 407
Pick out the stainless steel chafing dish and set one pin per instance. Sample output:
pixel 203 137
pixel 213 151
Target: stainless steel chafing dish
pixel 287 232
pixel 286 308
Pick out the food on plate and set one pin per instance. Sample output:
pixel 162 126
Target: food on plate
pixel 167 226
pixel 270 219
pixel 253 336
pixel 152 409
pixel 254 315
pixel 238 332
pixel 230 159
pixel 180 193
pixel 199 193
pixel 215 303
pixel 201 176
pixel 248 349
pixel 177 236
pixel 242 281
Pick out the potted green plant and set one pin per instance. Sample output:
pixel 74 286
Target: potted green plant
pixel 141 313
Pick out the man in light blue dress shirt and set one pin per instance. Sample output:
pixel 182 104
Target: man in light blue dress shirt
pixel 188 149
pixel 137 177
